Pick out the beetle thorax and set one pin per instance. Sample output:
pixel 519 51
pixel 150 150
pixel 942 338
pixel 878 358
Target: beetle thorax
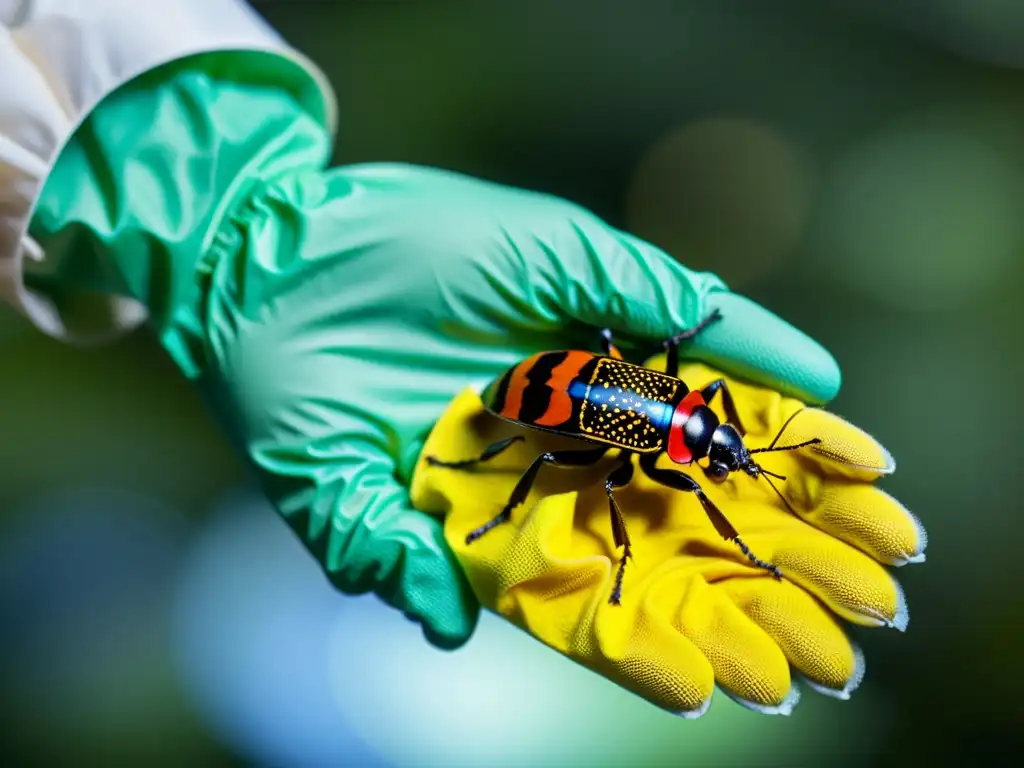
pixel 699 431
pixel 728 454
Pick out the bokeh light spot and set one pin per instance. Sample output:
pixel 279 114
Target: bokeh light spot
pixel 726 195
pixel 86 577
pixel 989 30
pixel 921 220
pixel 253 630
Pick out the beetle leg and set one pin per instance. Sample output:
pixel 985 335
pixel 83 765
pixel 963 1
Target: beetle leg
pixel 522 490
pixel 672 345
pixel 608 349
pixel 617 478
pixel 489 453
pixel 731 414
pixel 683 482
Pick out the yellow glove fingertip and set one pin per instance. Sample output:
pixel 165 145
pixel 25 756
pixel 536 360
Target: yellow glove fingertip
pixel 747 662
pixel 811 638
pixel 845 687
pixel 641 651
pixel 894 613
pixel 844 449
pixel 871 519
pixel 849 582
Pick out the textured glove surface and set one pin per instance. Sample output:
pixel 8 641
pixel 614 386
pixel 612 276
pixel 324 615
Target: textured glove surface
pixel 694 611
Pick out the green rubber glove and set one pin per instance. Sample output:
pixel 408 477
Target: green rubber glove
pixel 331 315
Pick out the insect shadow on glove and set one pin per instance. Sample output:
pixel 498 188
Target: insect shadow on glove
pixel 601 398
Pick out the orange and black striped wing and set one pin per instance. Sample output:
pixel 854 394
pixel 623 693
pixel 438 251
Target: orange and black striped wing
pixel 537 391
pixel 579 394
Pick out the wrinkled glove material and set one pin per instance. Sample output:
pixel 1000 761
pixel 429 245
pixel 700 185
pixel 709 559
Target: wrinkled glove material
pixel 149 183
pixel 330 316
pixel 694 611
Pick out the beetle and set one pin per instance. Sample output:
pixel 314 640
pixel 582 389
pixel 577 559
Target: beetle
pixel 603 399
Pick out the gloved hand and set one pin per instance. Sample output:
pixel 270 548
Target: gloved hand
pixel 331 315
pixel 694 611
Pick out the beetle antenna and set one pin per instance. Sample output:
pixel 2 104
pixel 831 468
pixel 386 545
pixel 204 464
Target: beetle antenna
pixel 767 478
pixel 772 449
pixel 771 446
pixel 781 430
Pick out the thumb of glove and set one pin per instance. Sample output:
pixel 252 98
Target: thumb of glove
pixel 605 277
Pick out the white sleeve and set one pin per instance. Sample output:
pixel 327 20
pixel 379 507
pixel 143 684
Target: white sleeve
pixel 58 59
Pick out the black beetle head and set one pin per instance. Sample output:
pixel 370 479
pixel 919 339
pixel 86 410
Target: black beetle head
pixel 728 454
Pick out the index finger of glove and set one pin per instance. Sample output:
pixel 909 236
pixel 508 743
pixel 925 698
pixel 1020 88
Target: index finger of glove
pixel 612 279
pixel 600 277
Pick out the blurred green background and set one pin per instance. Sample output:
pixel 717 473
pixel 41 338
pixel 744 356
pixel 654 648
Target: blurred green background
pixel 858 167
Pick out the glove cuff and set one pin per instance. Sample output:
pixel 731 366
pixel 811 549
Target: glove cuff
pixel 139 193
